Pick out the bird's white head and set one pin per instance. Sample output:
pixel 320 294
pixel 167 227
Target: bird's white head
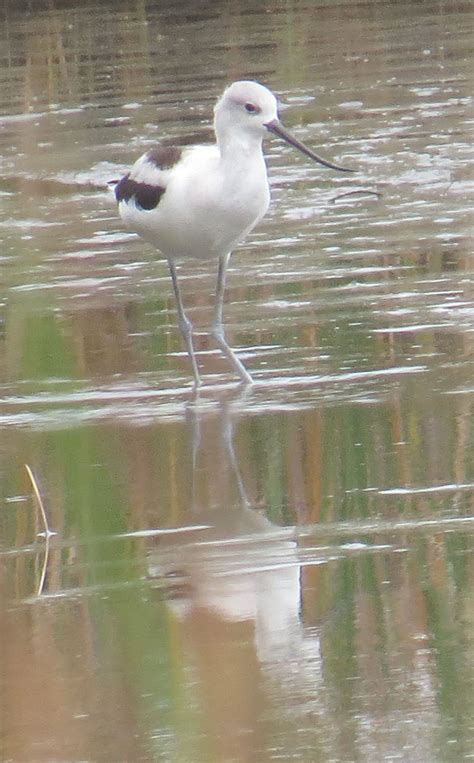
pixel 246 111
pixel 245 108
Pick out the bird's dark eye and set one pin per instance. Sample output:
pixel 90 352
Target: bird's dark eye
pixel 250 108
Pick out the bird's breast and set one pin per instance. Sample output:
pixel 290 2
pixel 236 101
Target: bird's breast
pixel 208 207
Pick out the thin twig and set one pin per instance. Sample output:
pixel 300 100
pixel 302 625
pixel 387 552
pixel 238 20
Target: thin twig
pixel 356 192
pixel 39 499
pixel 47 532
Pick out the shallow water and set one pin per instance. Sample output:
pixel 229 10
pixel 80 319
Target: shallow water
pixel 281 573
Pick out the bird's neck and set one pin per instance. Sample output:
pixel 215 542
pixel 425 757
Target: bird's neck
pixel 239 147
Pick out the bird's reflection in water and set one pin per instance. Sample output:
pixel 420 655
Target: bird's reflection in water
pixel 241 567
pixel 233 590
pixel 225 458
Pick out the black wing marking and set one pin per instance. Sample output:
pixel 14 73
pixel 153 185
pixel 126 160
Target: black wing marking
pixel 146 196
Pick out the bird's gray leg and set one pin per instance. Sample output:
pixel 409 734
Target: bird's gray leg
pixel 185 325
pixel 217 329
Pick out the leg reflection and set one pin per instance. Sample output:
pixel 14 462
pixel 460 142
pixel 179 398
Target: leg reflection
pixel 213 454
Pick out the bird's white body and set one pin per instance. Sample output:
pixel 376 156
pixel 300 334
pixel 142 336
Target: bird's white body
pixel 203 201
pixel 210 204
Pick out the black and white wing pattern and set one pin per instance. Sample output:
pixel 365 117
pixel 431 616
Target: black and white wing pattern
pixel 146 182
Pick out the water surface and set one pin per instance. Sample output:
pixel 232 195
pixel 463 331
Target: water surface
pixel 281 573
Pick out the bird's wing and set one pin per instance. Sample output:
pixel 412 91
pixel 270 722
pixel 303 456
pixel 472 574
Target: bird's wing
pixel 146 182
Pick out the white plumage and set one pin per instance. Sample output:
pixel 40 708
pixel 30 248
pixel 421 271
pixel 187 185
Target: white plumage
pixel 203 201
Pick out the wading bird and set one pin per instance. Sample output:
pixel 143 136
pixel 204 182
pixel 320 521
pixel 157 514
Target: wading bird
pixel 203 201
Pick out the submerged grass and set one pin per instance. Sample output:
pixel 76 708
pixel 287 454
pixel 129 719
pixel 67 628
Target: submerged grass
pixel 47 533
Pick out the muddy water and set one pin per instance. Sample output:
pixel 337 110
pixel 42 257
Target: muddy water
pixel 283 573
